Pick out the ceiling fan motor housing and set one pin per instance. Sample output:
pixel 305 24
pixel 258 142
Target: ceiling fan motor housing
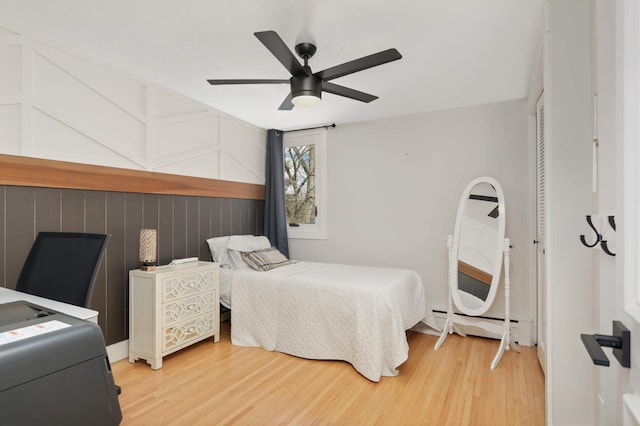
pixel 306 86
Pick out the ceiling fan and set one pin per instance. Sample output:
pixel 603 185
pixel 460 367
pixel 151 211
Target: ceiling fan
pixel 307 87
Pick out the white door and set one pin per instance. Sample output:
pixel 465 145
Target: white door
pixel 619 119
pixel 540 229
pixel 627 308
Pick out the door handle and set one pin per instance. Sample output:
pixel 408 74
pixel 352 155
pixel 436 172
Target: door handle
pixel 620 341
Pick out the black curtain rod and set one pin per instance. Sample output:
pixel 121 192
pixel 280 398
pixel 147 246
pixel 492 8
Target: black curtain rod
pixel 312 128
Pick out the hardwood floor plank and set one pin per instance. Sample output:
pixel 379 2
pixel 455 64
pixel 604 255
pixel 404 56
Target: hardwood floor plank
pixel 208 384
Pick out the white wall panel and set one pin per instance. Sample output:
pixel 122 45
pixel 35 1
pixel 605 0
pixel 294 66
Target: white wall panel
pixel 241 143
pixel 123 92
pixel 163 104
pixel 232 169
pixel 66 107
pixel 6 32
pixel 203 165
pixel 10 134
pixel 71 145
pixel 64 96
pixel 172 140
pixel 10 72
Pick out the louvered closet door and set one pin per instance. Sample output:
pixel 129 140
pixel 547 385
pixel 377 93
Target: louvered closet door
pixel 540 240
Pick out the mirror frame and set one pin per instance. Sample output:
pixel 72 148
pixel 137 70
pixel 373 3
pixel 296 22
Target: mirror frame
pixel 453 260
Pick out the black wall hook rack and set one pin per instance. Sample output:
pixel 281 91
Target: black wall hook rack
pixel 598 236
pixel 599 240
pixel 605 248
pixel 620 341
pixel 603 243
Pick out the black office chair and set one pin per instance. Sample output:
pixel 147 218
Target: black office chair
pixel 62 266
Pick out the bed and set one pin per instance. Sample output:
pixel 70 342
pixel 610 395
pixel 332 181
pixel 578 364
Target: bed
pixel 320 311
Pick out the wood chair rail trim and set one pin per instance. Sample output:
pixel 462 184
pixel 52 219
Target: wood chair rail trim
pixel 36 172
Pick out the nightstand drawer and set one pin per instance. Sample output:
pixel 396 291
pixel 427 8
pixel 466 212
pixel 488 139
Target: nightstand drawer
pixel 184 332
pixel 188 307
pixel 174 288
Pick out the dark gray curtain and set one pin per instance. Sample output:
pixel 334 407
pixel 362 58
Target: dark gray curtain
pixel 275 216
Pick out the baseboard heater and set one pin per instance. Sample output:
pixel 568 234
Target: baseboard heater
pixel 478 332
pixel 479 316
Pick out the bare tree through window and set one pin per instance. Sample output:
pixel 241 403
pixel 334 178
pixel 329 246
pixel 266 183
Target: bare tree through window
pixel 299 184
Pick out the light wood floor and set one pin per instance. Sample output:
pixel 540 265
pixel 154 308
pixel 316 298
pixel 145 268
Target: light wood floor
pixel 214 384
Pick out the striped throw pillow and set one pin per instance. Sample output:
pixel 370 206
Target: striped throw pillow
pixel 265 259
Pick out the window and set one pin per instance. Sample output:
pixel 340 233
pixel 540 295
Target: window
pixel 305 183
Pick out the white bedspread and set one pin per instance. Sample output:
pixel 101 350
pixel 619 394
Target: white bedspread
pixel 327 311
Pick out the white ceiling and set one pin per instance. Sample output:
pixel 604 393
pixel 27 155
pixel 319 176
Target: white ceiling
pixel 455 52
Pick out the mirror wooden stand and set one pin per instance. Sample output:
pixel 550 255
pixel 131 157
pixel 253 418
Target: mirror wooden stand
pixel 477 251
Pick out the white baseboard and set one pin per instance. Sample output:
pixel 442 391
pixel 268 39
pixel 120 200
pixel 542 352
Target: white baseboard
pixel 526 332
pixel 118 351
pixel 522 329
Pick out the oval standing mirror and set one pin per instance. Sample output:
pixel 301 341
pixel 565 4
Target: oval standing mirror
pixel 476 254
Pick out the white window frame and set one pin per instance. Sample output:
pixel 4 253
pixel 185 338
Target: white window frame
pixel 317 137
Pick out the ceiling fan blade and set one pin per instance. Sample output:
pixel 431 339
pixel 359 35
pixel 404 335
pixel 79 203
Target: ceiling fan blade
pixel 347 92
pixel 219 82
pixel 276 46
pixel 359 64
pixel 287 105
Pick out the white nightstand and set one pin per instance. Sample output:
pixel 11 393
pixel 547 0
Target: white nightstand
pixel 171 308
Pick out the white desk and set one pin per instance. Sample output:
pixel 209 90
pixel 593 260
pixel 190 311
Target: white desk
pixel 8 295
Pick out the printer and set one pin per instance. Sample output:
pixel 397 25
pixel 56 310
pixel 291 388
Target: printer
pixel 54 369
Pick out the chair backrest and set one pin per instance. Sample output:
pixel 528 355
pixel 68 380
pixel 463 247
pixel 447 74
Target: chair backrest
pixel 62 266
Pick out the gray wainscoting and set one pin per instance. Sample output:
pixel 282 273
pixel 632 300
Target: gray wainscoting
pixel 183 222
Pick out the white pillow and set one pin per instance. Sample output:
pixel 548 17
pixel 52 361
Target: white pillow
pixel 218 249
pixel 248 242
pixel 244 243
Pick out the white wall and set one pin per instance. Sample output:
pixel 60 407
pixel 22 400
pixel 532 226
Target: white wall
pixel 59 106
pixel 606 198
pixel 568 138
pixel 395 185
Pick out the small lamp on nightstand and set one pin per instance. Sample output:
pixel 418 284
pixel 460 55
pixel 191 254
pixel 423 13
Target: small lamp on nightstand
pixel 148 250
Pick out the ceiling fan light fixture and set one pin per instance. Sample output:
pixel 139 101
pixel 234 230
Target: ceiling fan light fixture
pixel 306 91
pixel 306 100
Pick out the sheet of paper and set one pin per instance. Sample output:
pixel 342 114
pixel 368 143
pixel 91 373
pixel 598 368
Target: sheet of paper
pixel 31 331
